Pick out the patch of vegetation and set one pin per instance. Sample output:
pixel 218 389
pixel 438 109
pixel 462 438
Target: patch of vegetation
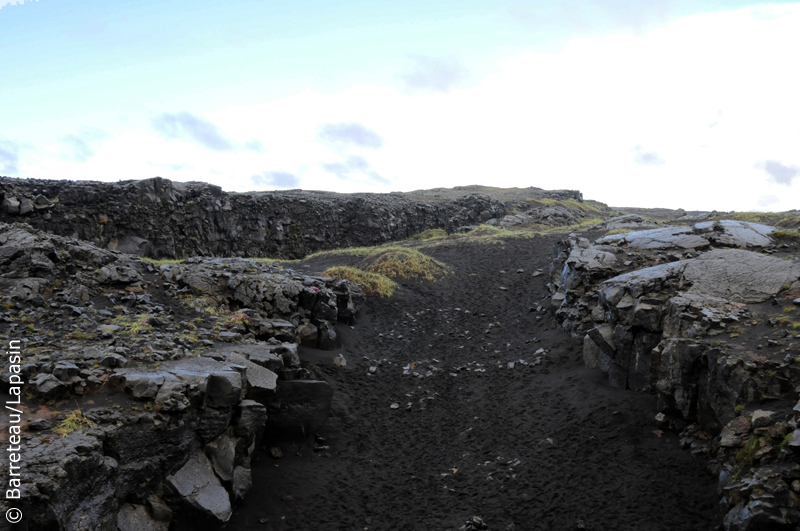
pixel 587 207
pixel 786 440
pixel 577 227
pixel 237 319
pixel 746 455
pixel 79 335
pixel 430 234
pixel 788 309
pixel 134 324
pixel 738 409
pixel 393 261
pixel 371 283
pixel 406 263
pixel 777 219
pixel 200 304
pixel 75 420
pixel 786 235
pixel 161 261
pixel 270 260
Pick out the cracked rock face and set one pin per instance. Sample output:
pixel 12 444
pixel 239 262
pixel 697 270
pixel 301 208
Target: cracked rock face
pixel 660 310
pixel 728 233
pixel 185 414
pixel 159 218
pixel 198 485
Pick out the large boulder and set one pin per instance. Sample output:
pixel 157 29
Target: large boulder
pixel 197 484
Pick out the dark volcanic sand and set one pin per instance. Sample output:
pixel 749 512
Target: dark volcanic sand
pixel 477 443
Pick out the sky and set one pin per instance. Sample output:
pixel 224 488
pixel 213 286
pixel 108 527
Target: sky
pixel 655 103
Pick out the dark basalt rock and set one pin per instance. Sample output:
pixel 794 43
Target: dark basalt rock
pixel 160 218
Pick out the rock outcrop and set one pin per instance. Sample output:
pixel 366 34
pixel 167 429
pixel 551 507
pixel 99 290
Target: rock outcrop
pixel 160 218
pixel 196 362
pixel 678 312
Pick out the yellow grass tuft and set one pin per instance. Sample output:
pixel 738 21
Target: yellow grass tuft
pixel 430 234
pixel 405 263
pixel 75 420
pixel 371 283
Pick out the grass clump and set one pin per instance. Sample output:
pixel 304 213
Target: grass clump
pixel 134 324
pixel 776 219
pixel 75 420
pixel 406 263
pixel 372 283
pixel 392 261
pixel 784 235
pixel 747 455
pixel 430 234
pixel 161 261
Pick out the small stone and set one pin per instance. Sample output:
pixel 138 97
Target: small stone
pixel 340 361
pixel 39 424
pixel 229 337
pixel 276 452
pixel 395 405
pixel 373 370
pixel 761 418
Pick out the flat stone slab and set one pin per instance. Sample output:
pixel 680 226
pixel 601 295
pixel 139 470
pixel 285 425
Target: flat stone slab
pixel 726 232
pixel 740 276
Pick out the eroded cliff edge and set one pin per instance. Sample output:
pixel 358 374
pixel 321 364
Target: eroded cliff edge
pixel 160 218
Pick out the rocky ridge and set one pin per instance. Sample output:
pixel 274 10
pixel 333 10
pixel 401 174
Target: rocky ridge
pixel 160 218
pixel 178 372
pixel 699 315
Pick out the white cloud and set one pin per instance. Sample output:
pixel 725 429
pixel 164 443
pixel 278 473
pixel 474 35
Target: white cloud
pixel 13 2
pixel 565 120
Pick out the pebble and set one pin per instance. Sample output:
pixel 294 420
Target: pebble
pixel 395 405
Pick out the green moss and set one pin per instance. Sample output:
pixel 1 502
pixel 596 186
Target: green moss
pixel 746 455
pixel 75 420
